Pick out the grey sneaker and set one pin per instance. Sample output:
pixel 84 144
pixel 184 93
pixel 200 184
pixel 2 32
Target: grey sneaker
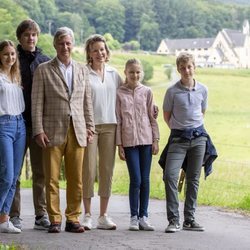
pixel 42 224
pixel 173 226
pixel 145 225
pixel 134 223
pixel 16 221
pixel 192 226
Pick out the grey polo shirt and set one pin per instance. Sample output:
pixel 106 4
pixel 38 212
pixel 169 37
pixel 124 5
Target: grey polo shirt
pixel 186 105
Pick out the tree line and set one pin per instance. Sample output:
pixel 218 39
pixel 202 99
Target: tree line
pixel 133 23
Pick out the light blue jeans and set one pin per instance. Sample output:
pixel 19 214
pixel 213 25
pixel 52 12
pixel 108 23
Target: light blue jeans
pixel 12 145
pixel 194 151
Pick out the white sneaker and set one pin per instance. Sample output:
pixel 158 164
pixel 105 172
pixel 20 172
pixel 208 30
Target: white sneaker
pixel 8 227
pixel 87 222
pixel 134 223
pixel 145 225
pixel 105 222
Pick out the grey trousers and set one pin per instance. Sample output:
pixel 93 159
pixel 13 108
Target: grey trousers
pixel 194 150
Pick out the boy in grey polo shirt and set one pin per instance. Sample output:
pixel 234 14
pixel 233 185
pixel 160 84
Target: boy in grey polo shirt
pixel 184 106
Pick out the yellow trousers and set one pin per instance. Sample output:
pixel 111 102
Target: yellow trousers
pixel 73 158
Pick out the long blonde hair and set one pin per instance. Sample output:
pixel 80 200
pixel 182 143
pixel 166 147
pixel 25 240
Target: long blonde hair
pixel 15 70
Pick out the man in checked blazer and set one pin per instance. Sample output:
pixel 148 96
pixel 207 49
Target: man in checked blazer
pixel 62 119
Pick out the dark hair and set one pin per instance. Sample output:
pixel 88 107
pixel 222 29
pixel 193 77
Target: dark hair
pixel 90 41
pixel 27 24
pixel 14 71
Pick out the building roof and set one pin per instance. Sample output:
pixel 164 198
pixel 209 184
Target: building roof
pixel 192 43
pixel 234 37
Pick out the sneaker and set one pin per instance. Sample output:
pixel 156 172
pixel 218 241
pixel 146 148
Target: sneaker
pixel 173 226
pixel 87 222
pixel 8 227
pixel 145 225
pixel 42 223
pixel 105 222
pixel 134 223
pixel 16 221
pixel 192 226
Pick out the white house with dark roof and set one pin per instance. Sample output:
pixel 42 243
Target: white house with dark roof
pixel 230 48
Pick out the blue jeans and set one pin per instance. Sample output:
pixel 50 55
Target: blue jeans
pixel 12 145
pixel 138 160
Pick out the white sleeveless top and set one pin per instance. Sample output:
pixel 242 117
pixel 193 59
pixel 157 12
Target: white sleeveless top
pixel 11 97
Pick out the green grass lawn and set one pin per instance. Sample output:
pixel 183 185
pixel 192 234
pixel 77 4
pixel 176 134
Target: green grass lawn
pixel 228 122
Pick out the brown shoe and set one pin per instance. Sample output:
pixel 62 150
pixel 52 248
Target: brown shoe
pixel 55 227
pixel 74 227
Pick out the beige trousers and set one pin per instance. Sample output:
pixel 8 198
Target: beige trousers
pixel 101 154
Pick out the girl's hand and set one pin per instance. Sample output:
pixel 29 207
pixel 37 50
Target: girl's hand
pixel 155 147
pixel 121 153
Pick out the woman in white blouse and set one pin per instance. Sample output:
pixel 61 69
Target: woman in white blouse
pixel 104 81
pixel 12 131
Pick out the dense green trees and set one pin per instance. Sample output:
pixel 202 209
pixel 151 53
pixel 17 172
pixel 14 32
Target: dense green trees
pixel 145 21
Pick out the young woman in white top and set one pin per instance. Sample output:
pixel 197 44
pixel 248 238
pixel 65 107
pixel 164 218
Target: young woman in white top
pixel 104 81
pixel 12 131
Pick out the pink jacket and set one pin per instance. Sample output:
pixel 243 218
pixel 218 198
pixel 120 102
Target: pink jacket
pixel 135 122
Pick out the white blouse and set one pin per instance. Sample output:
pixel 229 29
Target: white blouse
pixel 104 95
pixel 11 97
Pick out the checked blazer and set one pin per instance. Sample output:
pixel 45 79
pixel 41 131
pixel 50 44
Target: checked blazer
pixel 53 106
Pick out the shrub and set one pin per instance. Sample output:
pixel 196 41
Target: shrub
pixel 148 70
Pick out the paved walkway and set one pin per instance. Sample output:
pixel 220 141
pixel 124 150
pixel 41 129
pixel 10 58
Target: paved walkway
pixel 224 230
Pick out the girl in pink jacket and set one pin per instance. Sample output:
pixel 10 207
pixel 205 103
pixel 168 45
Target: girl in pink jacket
pixel 137 138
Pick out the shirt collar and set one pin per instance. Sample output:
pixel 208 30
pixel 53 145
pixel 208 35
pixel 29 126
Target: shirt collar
pixel 181 86
pixel 61 65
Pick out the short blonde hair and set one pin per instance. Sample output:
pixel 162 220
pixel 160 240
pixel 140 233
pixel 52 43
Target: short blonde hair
pixel 185 57
pixel 89 43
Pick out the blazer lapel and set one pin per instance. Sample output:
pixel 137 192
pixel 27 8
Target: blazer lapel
pixel 75 76
pixel 57 70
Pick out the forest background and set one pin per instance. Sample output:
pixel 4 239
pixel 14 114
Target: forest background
pixel 132 24
pixel 138 26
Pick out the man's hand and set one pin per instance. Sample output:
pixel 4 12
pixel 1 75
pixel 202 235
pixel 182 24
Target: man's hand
pixel 42 140
pixel 90 136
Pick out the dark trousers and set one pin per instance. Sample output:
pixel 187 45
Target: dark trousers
pixel 139 163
